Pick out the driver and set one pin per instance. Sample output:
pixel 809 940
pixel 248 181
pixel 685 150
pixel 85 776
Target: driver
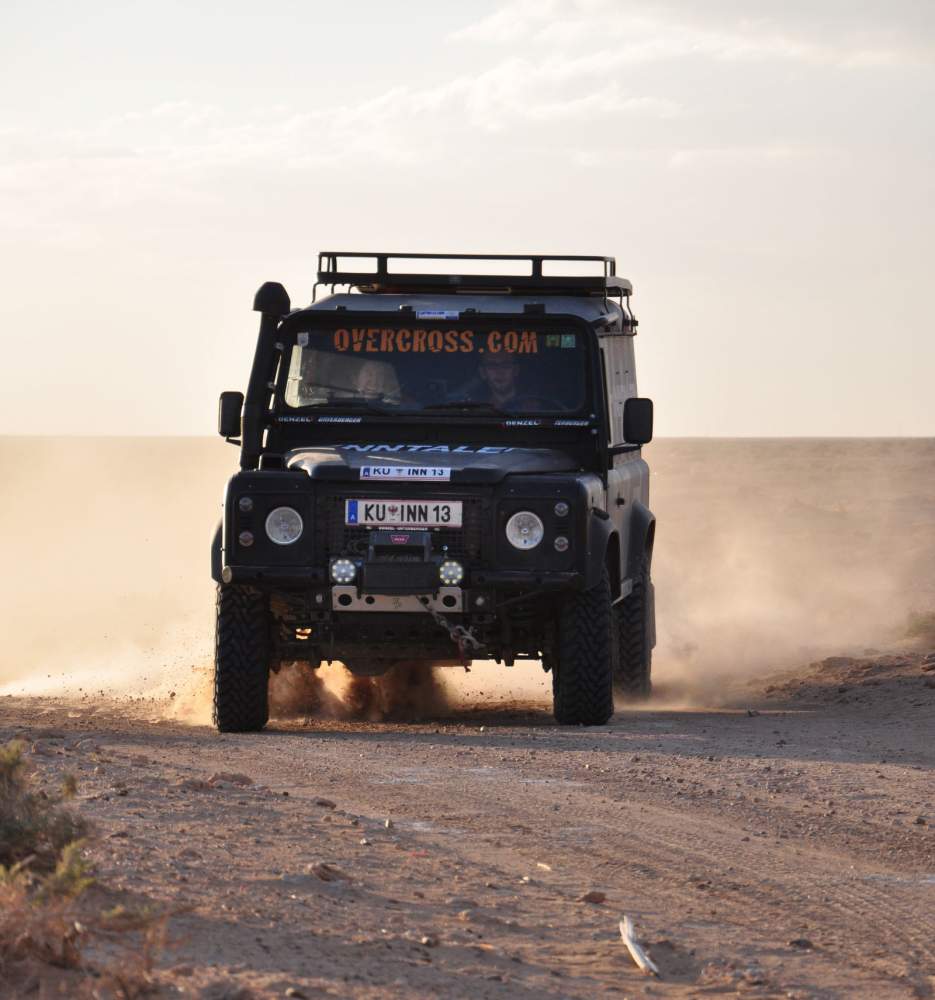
pixel 500 374
pixel 370 380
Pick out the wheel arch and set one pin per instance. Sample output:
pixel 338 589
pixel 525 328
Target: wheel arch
pixel 216 557
pixel 642 538
pixel 600 532
pixel 614 569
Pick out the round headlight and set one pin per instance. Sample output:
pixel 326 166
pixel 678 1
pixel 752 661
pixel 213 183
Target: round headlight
pixel 524 530
pixel 283 525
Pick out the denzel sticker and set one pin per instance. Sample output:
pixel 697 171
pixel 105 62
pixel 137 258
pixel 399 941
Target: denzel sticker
pixel 431 473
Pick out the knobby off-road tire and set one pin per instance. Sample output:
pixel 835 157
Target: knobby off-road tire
pixel 635 622
pixel 582 677
pixel 241 660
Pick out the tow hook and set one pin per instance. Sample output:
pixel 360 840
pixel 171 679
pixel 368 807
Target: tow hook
pixel 463 638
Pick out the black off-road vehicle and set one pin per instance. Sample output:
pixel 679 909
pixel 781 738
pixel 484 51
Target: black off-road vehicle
pixel 440 466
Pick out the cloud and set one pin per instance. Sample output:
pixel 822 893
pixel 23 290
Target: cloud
pixel 587 83
pixel 722 157
pixel 644 32
pixel 172 153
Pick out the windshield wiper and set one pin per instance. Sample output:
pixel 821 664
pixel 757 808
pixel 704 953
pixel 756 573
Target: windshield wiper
pixel 469 404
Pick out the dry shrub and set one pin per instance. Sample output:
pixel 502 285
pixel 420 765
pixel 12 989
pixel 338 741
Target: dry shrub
pixel 42 871
pixel 33 825
pixel 35 930
pixel 137 938
pixel 46 921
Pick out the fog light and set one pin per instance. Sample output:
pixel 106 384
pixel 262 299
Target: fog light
pixel 245 538
pixel 451 573
pixel 343 571
pixel 561 509
pixel 560 543
pixel 245 504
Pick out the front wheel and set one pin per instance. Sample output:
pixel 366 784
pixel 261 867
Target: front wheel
pixel 241 660
pixel 583 673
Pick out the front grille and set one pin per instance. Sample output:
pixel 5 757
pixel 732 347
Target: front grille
pixel 334 537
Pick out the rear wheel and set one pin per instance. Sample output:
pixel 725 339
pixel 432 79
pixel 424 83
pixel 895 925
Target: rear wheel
pixel 582 675
pixel 241 660
pixel 635 623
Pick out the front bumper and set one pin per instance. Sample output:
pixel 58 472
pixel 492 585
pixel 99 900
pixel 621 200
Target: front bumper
pixel 447 599
pixel 304 578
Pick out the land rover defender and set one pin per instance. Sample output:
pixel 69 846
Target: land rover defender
pixel 438 466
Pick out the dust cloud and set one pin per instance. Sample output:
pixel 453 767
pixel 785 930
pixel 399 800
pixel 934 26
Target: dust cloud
pixel 768 553
pixel 106 545
pixel 773 553
pixel 409 692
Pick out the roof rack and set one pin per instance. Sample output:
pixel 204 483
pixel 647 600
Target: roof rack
pixel 381 277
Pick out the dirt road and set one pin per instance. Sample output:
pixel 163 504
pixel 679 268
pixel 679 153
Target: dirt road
pixel 781 847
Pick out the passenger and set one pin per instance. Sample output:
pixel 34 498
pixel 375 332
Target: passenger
pixel 376 380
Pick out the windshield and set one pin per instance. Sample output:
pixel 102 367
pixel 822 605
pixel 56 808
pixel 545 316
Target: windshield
pixel 398 369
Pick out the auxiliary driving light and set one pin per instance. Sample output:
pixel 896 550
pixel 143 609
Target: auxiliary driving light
pixel 451 573
pixel 245 538
pixel 343 571
pixel 284 525
pixel 524 530
pixel 560 543
pixel 561 509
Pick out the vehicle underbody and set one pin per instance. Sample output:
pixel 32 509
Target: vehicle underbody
pixel 520 626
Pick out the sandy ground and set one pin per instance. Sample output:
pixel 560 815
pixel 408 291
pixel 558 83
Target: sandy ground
pixel 781 846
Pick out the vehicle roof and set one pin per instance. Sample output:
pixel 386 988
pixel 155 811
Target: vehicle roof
pixel 592 309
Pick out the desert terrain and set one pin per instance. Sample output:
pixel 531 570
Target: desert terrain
pixel 766 821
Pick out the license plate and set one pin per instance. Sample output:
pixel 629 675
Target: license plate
pixel 403 513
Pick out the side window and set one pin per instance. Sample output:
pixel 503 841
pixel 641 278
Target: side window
pixel 294 378
pixel 620 379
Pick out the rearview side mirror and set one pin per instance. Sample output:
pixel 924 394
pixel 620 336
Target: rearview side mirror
pixel 230 406
pixel 638 420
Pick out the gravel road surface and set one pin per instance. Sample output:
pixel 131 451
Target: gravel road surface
pixel 779 847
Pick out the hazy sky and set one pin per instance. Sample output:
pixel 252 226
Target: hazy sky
pixel 764 173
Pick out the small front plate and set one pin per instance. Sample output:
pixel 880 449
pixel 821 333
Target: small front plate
pixel 410 473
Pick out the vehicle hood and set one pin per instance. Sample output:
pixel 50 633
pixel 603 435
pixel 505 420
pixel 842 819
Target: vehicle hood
pixel 464 463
